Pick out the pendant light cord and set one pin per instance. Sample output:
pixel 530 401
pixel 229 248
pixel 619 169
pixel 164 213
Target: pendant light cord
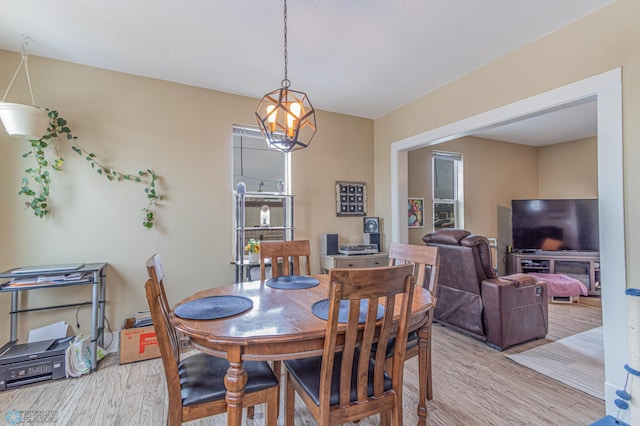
pixel 285 83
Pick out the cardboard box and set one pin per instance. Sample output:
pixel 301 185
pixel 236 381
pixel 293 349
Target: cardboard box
pixel 137 344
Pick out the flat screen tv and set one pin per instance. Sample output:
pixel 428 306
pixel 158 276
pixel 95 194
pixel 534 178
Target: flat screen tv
pixel 553 225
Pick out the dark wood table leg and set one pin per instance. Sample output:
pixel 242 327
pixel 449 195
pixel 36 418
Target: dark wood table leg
pixel 235 381
pixel 423 369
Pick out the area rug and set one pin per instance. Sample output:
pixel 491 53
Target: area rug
pixel 577 361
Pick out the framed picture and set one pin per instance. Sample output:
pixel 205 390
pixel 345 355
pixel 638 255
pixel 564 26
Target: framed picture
pixel 415 213
pixel 351 199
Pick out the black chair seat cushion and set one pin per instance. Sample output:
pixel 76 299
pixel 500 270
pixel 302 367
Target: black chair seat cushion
pixel 412 340
pixel 307 372
pixel 202 378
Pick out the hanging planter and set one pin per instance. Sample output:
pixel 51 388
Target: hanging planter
pixel 19 120
pixel 23 121
pixel 44 128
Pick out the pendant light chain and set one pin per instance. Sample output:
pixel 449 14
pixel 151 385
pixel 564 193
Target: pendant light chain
pixel 286 117
pixel 285 83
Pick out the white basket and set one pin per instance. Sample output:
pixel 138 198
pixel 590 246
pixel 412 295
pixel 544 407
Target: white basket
pixel 23 121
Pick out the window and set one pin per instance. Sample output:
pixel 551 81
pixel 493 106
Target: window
pixel 255 164
pixel 447 182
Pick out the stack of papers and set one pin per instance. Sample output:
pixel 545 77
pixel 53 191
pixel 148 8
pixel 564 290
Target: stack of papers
pixel 76 277
pixel 142 319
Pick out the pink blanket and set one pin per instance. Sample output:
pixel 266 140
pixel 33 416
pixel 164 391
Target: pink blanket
pixel 562 285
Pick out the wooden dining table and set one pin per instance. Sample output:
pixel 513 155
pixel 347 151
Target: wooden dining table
pixel 280 326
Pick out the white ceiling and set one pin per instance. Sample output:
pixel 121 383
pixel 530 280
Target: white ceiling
pixel 578 121
pixel 358 57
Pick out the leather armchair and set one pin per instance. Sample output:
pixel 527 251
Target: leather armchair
pixel 502 311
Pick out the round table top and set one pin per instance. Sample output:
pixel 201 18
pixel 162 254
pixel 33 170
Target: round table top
pixel 280 325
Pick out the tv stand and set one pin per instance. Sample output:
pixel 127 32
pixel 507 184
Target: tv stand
pixel 584 266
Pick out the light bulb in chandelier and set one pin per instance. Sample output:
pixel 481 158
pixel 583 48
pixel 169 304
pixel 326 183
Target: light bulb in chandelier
pixel 272 116
pixel 292 118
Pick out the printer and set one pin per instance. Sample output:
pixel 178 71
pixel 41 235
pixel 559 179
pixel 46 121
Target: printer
pixel 23 364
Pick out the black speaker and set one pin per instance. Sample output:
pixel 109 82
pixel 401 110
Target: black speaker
pixel 329 244
pixel 373 238
pixel 371 224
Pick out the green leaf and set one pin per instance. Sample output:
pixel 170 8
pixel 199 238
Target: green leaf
pixel 99 171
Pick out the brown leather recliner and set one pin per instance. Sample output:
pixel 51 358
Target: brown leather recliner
pixel 502 311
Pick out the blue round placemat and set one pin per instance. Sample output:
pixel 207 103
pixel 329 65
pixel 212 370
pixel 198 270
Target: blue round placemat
pixel 321 310
pixel 292 282
pixel 213 307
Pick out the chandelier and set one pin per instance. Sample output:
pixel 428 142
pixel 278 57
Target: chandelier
pixel 286 117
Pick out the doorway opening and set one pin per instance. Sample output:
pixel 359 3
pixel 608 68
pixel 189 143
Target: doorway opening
pixel 606 88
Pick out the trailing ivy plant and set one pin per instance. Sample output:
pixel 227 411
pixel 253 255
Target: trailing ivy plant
pixel 36 183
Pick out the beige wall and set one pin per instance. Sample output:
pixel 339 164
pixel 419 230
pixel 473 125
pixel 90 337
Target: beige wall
pixel 604 40
pixel 494 174
pixel 568 170
pixel 184 134
pixel 497 172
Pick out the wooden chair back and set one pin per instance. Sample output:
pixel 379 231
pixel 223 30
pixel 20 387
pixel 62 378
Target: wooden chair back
pixel 425 260
pixel 156 273
pixel 375 286
pixel 285 257
pixel 426 264
pixel 156 276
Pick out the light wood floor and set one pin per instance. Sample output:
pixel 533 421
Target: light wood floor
pixel 473 385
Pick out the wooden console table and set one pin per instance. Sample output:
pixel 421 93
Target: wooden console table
pixel 330 261
pixel 582 266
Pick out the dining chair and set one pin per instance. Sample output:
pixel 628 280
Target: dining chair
pixel 425 261
pixel 285 260
pixel 195 384
pixel 346 383
pixel 288 253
